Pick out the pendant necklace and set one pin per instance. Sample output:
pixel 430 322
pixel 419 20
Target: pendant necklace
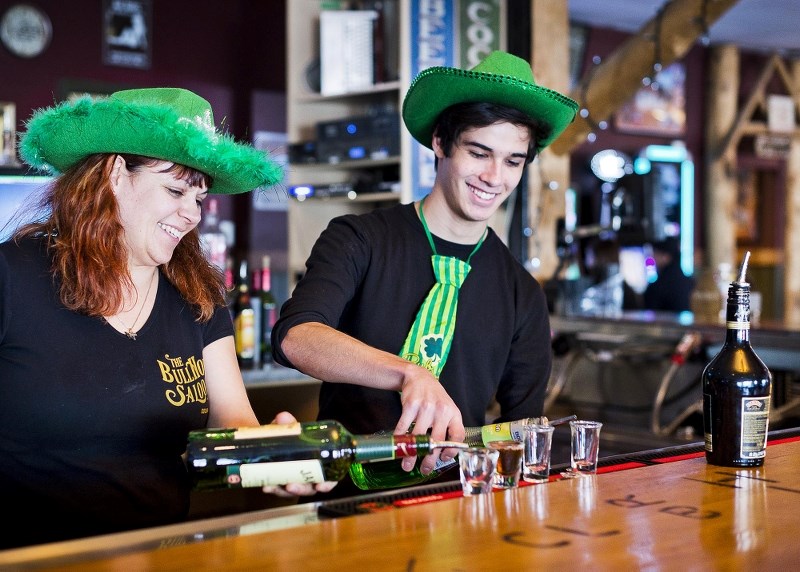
pixel 129 331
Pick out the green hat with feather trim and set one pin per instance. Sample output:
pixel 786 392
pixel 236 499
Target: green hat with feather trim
pixel 500 78
pixel 170 124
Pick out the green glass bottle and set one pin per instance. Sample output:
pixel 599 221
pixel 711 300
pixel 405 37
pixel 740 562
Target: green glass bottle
pixel 736 389
pixel 310 452
pixel 389 474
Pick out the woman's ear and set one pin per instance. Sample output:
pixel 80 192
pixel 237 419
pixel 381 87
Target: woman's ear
pixel 118 171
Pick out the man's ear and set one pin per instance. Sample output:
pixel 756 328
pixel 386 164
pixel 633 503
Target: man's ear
pixel 436 145
pixel 118 171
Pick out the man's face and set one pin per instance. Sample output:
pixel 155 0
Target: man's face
pixel 485 165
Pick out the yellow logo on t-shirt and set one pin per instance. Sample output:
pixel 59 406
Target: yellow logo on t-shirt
pixel 188 378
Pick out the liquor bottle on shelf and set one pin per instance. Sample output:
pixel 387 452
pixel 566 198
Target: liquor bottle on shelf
pixel 309 452
pixel 244 321
pixel 389 474
pixel 736 389
pixel 255 303
pixel 230 284
pixel 212 239
pixel 269 311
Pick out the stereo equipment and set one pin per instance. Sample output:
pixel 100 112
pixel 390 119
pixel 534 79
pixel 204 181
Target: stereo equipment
pixel 367 137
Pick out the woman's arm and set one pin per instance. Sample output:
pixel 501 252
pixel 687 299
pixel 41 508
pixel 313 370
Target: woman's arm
pixel 229 405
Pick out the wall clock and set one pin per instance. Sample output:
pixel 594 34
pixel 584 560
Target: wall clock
pixel 25 30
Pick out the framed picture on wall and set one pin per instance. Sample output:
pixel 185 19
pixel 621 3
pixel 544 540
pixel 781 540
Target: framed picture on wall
pixel 127 33
pixel 746 209
pixel 8 139
pixel 659 108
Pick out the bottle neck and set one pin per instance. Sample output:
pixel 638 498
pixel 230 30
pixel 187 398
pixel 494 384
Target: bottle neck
pixel 387 447
pixel 737 314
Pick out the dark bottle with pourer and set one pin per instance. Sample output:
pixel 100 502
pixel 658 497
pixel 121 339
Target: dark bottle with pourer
pixel 736 389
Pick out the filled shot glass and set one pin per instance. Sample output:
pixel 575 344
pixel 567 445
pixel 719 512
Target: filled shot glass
pixel 477 466
pixel 537 441
pixel 509 463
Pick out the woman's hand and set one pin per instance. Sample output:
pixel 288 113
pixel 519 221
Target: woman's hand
pixel 296 489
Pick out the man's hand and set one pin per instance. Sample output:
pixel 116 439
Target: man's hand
pixel 428 406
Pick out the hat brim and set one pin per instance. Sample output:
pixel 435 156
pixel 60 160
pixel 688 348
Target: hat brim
pixel 435 89
pixel 58 137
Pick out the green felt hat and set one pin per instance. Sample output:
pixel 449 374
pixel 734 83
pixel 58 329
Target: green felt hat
pixel 165 123
pixel 500 78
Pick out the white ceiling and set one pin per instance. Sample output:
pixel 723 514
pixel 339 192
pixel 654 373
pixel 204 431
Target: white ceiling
pixel 753 25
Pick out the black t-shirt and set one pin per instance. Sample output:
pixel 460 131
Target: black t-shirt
pixel 367 276
pixel 92 423
pixel 671 292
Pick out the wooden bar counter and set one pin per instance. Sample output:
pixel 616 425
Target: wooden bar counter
pixel 665 510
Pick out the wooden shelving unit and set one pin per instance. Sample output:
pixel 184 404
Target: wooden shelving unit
pixel 305 108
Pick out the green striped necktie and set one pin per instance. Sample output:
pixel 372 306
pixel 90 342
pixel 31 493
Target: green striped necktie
pixel 431 335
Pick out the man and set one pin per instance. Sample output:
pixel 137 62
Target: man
pixel 672 290
pixel 353 321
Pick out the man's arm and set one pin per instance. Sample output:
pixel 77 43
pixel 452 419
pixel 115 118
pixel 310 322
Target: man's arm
pixel 327 354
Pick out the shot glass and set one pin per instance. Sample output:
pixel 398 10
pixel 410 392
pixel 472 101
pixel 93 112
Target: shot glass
pixel 585 446
pixel 537 441
pixel 509 463
pixel 477 466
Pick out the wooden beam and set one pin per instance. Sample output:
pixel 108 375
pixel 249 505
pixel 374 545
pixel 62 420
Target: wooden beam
pixel 719 214
pixel 548 176
pixel 757 100
pixel 667 38
pixel 791 246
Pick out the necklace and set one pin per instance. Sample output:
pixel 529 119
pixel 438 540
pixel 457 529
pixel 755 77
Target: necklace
pixel 129 331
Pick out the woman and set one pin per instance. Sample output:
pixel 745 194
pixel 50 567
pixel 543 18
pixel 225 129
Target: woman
pixel 114 336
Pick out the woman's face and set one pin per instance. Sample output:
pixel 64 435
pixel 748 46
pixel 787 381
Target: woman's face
pixel 157 210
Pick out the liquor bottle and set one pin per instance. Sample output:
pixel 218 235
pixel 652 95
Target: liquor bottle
pixel 212 239
pixel 736 389
pixel 269 311
pixel 386 475
pixel 244 321
pixel 309 452
pixel 255 303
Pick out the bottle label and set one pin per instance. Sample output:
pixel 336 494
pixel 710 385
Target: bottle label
pixel 266 431
pixel 405 446
pixel 275 473
pixel 245 330
pixel 755 421
pixel 443 465
pixel 508 431
pixel 707 416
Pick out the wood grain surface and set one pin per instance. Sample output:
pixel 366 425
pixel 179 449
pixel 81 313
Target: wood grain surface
pixel 683 515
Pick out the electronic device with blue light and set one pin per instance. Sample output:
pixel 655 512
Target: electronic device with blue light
pixel 667 174
pixel 17 191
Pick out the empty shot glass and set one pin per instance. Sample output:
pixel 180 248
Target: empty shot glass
pixel 477 466
pixel 585 447
pixel 509 463
pixel 537 441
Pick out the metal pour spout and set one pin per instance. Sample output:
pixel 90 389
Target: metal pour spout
pixel 742 279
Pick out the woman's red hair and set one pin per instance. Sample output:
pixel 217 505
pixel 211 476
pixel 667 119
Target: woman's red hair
pixel 85 237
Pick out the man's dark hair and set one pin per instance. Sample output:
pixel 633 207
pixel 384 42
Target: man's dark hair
pixel 456 119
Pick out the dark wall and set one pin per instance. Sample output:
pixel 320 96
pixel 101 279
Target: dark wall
pixel 231 52
pixel 221 50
